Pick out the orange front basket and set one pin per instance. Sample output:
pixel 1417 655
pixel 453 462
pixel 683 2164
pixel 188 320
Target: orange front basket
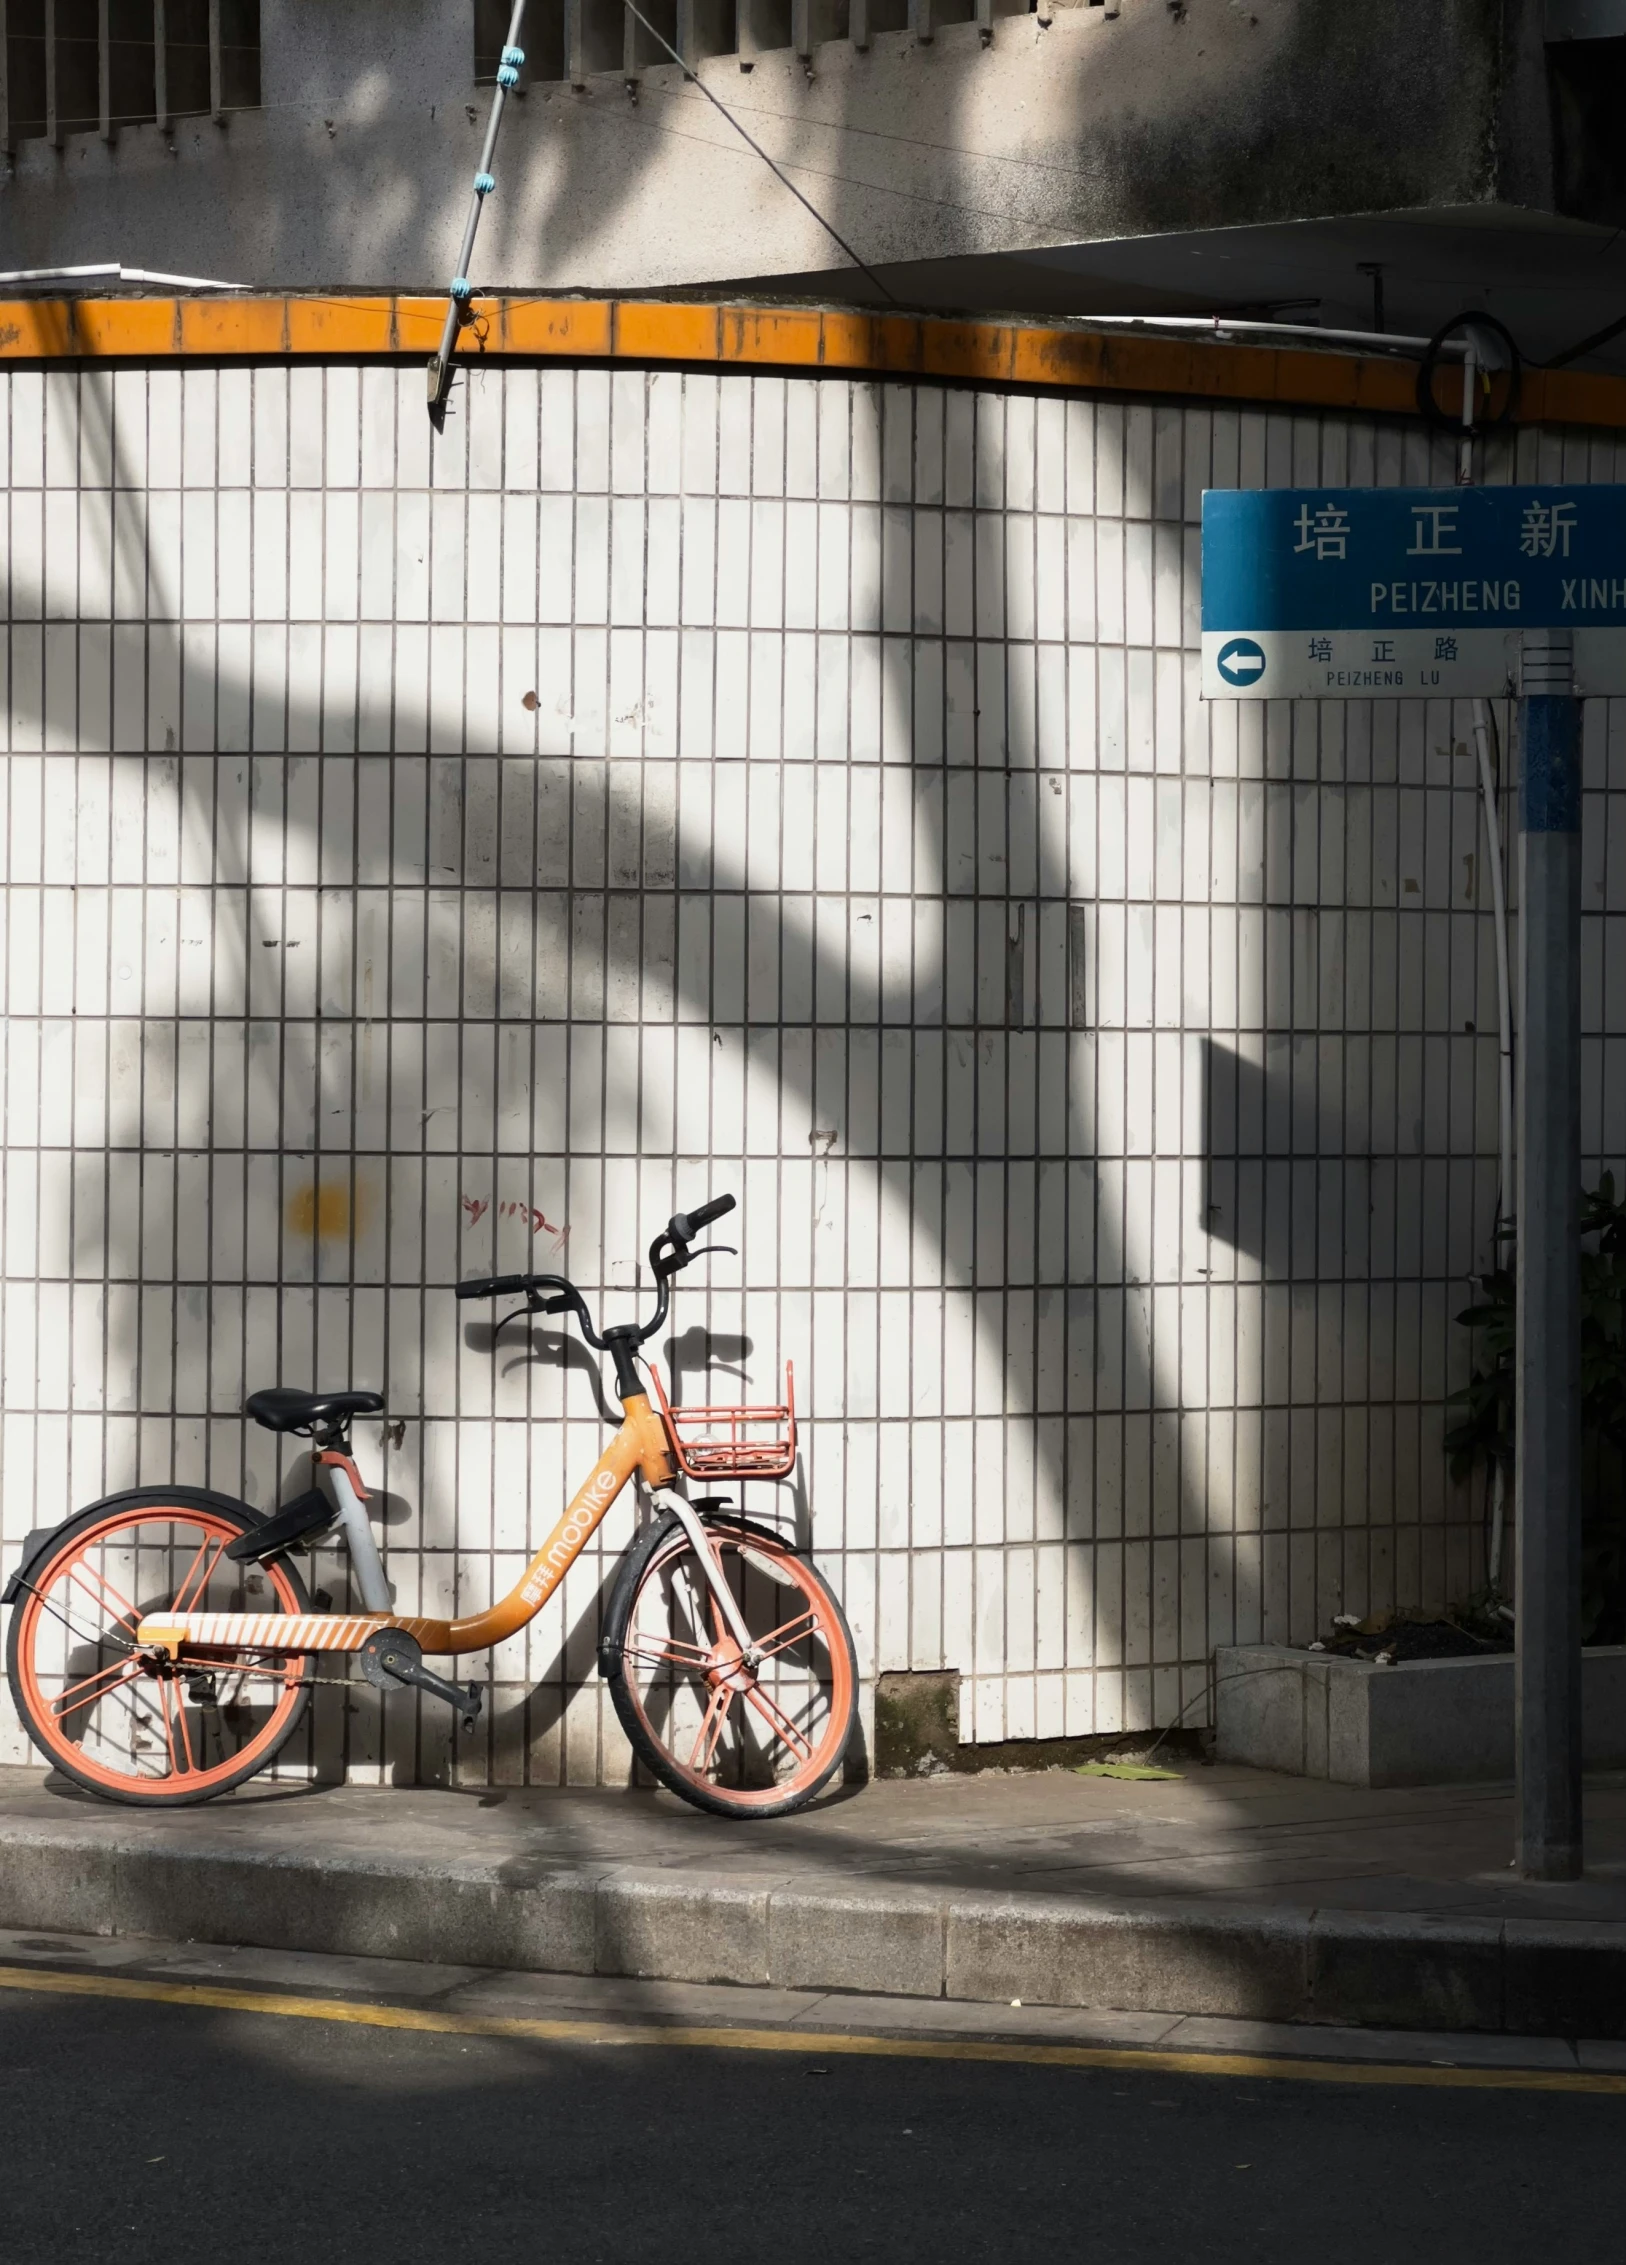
pixel 732 1443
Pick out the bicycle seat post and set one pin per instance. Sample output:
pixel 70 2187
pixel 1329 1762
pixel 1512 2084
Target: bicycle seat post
pixel 330 1441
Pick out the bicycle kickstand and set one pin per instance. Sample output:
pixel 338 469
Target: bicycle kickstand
pixel 392 1657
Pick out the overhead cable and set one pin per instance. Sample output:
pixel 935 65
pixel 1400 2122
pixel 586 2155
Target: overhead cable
pixel 779 174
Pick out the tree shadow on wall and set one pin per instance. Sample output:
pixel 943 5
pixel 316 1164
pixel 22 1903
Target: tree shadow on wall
pixel 984 795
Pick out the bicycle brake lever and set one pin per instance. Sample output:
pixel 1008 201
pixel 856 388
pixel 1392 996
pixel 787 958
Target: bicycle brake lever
pixel 560 1304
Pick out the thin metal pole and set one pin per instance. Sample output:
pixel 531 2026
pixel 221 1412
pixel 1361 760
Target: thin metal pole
pixel 1465 447
pixel 1484 734
pixel 53 118
pixel 1484 741
pixel 1548 1318
pixel 160 67
pixel 8 139
pixel 440 367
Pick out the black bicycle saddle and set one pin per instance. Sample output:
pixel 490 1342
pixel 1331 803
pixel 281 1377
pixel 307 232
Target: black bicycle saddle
pixel 281 1408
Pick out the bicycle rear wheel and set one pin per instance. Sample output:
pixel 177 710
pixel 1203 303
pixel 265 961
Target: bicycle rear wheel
pixel 743 1735
pixel 155 1733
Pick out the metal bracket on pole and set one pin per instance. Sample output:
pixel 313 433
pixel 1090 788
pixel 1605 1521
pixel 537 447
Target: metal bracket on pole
pixel 457 304
pixel 1548 1315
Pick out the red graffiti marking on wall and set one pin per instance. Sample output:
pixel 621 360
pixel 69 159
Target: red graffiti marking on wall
pixel 476 1206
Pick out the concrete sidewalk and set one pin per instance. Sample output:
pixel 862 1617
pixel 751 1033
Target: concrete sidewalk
pixel 1232 1893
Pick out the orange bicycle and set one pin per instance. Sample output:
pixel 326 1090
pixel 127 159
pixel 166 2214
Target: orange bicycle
pixel 163 1642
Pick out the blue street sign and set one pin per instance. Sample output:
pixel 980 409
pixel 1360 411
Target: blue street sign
pixel 1363 593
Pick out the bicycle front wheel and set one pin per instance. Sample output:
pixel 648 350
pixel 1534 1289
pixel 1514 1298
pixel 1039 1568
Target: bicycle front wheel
pixel 157 1733
pixel 752 1733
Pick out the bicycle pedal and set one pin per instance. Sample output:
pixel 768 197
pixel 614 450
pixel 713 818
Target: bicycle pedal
pixel 390 1658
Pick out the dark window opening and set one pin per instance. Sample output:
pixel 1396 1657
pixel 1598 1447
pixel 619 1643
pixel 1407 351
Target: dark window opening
pixel 25 69
pixel 543 40
pixel 239 54
pixel 186 58
pixel 642 46
pixel 763 26
pixel 1588 82
pixel 113 63
pixel 603 39
pixel 78 68
pixel 132 77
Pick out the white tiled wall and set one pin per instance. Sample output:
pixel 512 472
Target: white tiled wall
pixel 418 861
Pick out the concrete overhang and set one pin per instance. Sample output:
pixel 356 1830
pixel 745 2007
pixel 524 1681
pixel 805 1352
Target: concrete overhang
pixel 1586 19
pixel 1553 281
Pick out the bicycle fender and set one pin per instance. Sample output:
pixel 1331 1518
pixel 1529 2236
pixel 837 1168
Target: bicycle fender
pixel 609 1644
pixel 37 1543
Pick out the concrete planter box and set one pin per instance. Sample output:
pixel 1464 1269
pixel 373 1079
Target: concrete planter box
pixel 1427 1722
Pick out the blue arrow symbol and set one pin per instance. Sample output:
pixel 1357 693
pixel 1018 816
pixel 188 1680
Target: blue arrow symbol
pixel 1241 661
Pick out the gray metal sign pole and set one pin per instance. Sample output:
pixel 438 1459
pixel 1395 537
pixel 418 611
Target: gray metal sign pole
pixel 1548 1449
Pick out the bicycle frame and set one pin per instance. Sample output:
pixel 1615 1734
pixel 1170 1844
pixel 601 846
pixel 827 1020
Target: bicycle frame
pixel 640 1446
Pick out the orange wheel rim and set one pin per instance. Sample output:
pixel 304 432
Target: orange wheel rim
pixel 88 1696
pixel 719 1720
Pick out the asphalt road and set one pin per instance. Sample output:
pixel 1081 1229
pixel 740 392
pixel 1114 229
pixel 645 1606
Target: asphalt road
pixel 168 2133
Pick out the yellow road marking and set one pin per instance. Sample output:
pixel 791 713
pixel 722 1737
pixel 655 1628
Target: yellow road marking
pixel 438 2021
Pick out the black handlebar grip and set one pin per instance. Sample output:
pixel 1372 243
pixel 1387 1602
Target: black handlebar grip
pixel 496 1286
pixel 689 1224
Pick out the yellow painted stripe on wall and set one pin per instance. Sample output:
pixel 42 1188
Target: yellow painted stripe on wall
pixel 647 331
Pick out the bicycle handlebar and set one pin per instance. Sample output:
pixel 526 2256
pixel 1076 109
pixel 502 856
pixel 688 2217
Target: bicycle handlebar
pixel 683 1226
pixel 668 1254
pixel 498 1286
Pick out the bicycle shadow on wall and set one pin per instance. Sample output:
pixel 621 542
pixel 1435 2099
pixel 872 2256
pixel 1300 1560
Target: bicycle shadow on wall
pixel 983 840
pixel 514 1350
pixel 700 1352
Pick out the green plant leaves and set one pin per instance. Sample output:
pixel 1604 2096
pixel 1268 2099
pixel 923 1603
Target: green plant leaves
pixel 1484 1433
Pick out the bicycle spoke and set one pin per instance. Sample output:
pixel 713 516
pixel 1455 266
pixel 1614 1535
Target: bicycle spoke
pixel 777 1719
pixel 84 1574
pixel 711 1728
pixel 166 1691
pixel 95 1637
pixel 805 1625
pixel 179 1697
pixel 686 1655
pixel 182 1602
pixel 121 1670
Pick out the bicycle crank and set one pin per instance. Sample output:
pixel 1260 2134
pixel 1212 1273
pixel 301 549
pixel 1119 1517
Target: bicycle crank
pixel 390 1657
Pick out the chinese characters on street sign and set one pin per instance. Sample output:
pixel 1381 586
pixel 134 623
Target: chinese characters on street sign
pixel 1373 593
